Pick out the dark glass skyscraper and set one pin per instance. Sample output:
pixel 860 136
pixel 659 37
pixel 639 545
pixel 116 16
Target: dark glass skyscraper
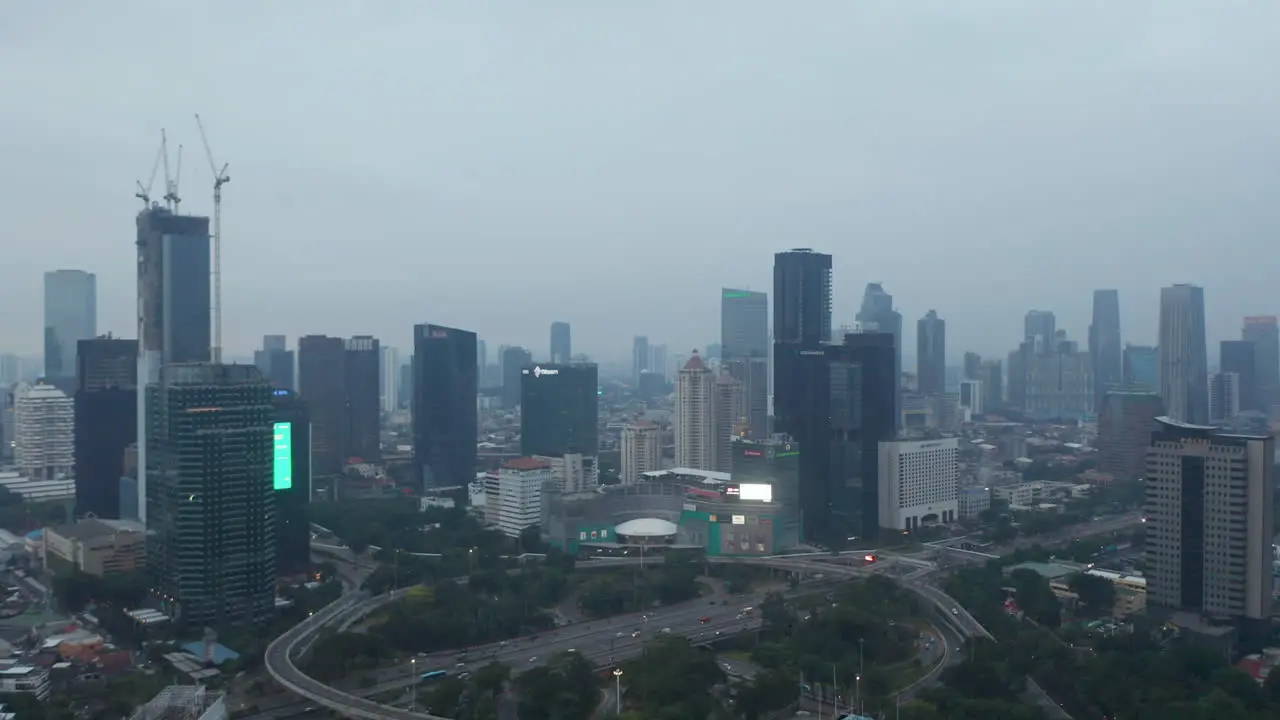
pixel 559 410
pixel 1241 357
pixel 744 348
pixel 275 361
pixel 363 398
pixel 444 405
pixel 931 354
pixel 561 344
pixel 801 322
pixel 211 507
pixel 292 482
pixel 1184 363
pixel 322 379
pixel 877 315
pixel 173 307
pixel 1141 367
pixel 1264 333
pixel 513 359
pixel 1104 344
pixel 106 409
pixel 70 315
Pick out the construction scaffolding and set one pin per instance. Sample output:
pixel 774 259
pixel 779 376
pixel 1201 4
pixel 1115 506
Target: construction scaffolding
pixel 183 702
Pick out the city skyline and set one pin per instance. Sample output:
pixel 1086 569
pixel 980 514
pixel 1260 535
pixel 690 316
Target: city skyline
pixel 288 215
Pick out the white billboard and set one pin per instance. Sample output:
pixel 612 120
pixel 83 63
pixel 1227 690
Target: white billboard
pixel 753 491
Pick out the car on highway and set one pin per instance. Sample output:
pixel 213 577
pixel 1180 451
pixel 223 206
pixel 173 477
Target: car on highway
pixel 635 634
pixel 704 619
pixel 666 631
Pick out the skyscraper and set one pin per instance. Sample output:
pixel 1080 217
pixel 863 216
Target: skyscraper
pixel 877 315
pixel 972 366
pixel 744 343
pixel 291 482
pixel 322 379
pixel 1184 364
pixel 694 418
pixel 801 321
pixel 444 405
pixel 1141 367
pixel 1241 357
pixel 1126 420
pixel 173 308
pixel 363 397
pixel 44 431
pixel 70 315
pixel 390 375
pixel 1041 325
pixel 1104 343
pixel 105 421
pixel 561 344
pixel 727 418
pixel 931 354
pixel 991 374
pixel 514 359
pixel 1209 521
pixel 641 451
pixel 275 361
pixel 211 508
pixel 1263 332
pixel 559 411
pixel 640 357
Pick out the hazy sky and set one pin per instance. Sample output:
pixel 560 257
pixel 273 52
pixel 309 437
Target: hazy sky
pixel 499 165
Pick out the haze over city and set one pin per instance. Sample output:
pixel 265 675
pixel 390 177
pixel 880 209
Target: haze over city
pixel 496 166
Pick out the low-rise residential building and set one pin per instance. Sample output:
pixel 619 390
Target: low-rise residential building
pixel 15 678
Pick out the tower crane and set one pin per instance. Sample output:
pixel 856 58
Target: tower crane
pixel 144 191
pixel 171 199
pixel 220 178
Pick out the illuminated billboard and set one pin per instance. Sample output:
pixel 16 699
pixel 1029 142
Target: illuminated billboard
pixel 752 491
pixel 282 456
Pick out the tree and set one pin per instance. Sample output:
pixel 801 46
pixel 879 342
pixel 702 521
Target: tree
pixel 671 679
pixel 1097 595
pixel 563 689
pixel 769 691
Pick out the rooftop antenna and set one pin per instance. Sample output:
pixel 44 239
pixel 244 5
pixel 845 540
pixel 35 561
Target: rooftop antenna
pixel 144 191
pixel 220 178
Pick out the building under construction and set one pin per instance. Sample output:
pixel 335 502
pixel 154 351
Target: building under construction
pixel 184 702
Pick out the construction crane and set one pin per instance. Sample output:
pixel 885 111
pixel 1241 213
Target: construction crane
pixel 144 191
pixel 220 178
pixel 171 199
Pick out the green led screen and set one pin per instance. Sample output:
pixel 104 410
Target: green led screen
pixel 283 456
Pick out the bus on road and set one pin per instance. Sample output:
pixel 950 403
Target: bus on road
pixel 433 675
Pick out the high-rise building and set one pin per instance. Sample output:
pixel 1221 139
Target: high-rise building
pixel 991 373
pixel 445 423
pixel 44 431
pixel 1041 326
pixel 727 420
pixel 774 462
pixel 106 424
pixel 291 481
pixel 559 410
pixel 390 376
pixel 1184 363
pixel 931 354
pixel 877 315
pixel 971 396
pixel 753 374
pixel 658 361
pixel 1224 397
pixel 641 451
pixel 482 362
pixel 972 366
pixel 1059 383
pixel 694 415
pixel 1241 358
pixel 211 506
pixel 1141 367
pixel 322 378
pixel 744 324
pixel 1125 423
pixel 640 357
pixel 513 494
pixel 514 360
pixel 919 483
pixel 561 343
pixel 1104 343
pixel 1263 332
pixel 276 361
pixel 363 388
pixel 1209 521
pixel 174 312
pixel 801 321
pixel 70 315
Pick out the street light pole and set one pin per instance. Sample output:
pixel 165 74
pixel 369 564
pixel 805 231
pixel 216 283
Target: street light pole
pixel 858 693
pixel 413 675
pixel 617 690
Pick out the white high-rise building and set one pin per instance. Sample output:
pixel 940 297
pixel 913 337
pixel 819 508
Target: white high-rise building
pixel 727 416
pixel 919 482
pixel 513 495
pixel 1224 396
pixel 641 451
pixel 390 379
pixel 694 416
pixel 1184 363
pixel 44 436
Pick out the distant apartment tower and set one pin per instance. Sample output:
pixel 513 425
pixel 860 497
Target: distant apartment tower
pixel 70 315
pixel 640 357
pixel 1184 364
pixel 694 418
pixel 1263 332
pixel 44 431
pixel 1125 423
pixel 1059 383
pixel 445 422
pixel 1040 326
pixel 1224 397
pixel 276 361
pixel 1209 521
pixel 971 396
pixel 919 483
pixel 211 546
pixel 173 308
pixel 659 360
pixel 641 451
pixel 744 324
pixel 1104 343
pixel 972 366
pixel 931 354
pixel 727 420
pixel 561 343
pixel 991 373
pixel 390 379
pixel 363 390
pixel 1142 367
pixel 513 359
pixel 1241 357
pixel 105 422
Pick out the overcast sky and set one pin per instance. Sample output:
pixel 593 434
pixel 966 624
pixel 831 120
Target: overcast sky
pixel 499 165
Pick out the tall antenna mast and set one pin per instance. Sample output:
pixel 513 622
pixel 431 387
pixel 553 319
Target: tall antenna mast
pixel 220 178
